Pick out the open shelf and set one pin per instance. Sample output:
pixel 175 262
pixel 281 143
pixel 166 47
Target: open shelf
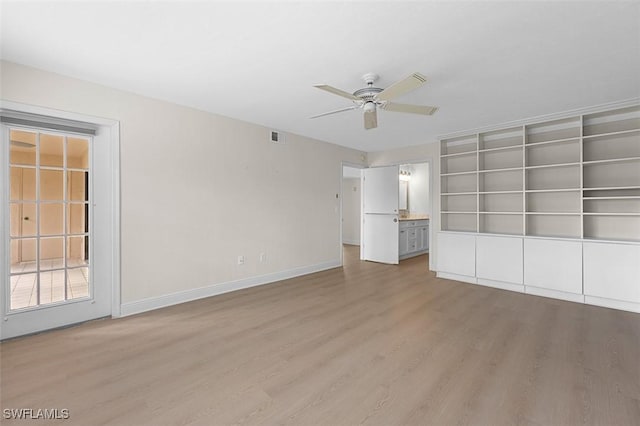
pixel 550 225
pixel 607 227
pixel 619 205
pixel 612 147
pixel 556 130
pixel 501 138
pixel 509 180
pixel 504 202
pixel 463 222
pixel 553 178
pixel 496 223
pixel 500 159
pixel 459 154
pixel 567 151
pixel 459 183
pixel 458 163
pixel 463 144
pixel 553 202
pixel 611 175
pixel 459 203
pixel 615 121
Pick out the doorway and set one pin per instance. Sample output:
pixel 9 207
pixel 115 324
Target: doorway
pixel 351 208
pixel 59 242
pixel 396 212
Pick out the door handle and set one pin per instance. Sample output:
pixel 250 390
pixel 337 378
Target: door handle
pixel 395 219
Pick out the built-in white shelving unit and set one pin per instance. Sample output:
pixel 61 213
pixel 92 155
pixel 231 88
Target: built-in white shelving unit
pixel 550 208
pixel 576 177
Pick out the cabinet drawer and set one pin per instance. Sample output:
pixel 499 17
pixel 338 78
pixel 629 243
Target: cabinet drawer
pixel 412 232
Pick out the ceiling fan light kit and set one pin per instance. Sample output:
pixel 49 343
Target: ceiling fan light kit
pixel 370 98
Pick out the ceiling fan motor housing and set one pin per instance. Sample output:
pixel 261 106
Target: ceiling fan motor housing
pixel 367 94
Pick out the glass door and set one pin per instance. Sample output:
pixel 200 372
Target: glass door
pixel 49 214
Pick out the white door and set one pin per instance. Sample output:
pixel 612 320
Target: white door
pixel 380 186
pixel 56 267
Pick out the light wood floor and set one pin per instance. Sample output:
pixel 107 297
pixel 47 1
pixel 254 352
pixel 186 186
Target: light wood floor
pixel 367 344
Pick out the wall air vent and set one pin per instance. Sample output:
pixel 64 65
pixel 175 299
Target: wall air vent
pixel 276 136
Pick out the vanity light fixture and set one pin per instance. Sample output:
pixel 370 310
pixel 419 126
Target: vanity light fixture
pixel 405 176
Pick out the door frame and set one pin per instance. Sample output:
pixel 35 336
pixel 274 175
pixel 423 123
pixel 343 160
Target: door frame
pixel 109 134
pixel 342 166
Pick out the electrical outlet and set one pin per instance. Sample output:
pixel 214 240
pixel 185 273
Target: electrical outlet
pixel 263 258
pixel 241 260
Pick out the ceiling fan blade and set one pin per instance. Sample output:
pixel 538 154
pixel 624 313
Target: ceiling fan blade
pixel 336 111
pixel 370 119
pixel 338 92
pixel 410 83
pixel 413 109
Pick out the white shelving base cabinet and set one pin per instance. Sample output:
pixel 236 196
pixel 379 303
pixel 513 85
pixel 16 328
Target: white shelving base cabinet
pixel 546 208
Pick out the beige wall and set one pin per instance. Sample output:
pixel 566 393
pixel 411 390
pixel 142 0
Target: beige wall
pixel 428 151
pixel 351 211
pixel 198 189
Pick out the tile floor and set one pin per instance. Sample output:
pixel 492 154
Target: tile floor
pixel 24 291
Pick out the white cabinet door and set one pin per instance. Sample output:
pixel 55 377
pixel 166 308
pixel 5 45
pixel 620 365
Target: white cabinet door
pixel 553 264
pixel 612 271
pixel 499 259
pixel 457 254
pixel 423 238
pixel 404 241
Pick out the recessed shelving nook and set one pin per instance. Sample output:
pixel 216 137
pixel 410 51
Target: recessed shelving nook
pixel 550 208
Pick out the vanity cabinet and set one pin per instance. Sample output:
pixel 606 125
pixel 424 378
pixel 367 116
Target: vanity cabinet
pixel 414 238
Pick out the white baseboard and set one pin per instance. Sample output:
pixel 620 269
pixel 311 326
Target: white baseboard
pixel 614 304
pixel 351 242
pixel 501 285
pixel 554 294
pixel 456 277
pixel 152 303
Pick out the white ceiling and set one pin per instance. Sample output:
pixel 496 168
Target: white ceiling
pixel 487 62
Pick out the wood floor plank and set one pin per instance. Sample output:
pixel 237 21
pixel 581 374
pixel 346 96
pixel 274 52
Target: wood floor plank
pixel 365 344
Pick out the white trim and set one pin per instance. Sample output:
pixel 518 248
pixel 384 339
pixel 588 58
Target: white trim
pixel 546 117
pixel 158 302
pixel 116 272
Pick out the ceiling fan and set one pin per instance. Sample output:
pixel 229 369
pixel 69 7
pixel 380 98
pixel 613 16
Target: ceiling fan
pixel 371 98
